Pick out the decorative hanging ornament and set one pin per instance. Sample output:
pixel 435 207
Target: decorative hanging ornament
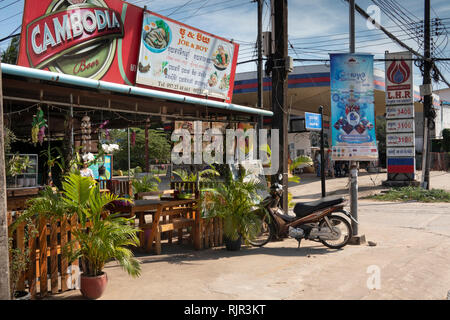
pixel 38 127
pixel 86 131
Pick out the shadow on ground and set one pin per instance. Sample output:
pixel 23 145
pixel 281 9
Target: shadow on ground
pixel 184 255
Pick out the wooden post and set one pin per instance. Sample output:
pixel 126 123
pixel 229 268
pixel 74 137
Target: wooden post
pixel 75 264
pixel 33 268
pixel 20 240
pixel 4 252
pixel 54 257
pixel 43 257
pixel 64 261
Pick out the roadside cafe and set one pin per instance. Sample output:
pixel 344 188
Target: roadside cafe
pixel 89 66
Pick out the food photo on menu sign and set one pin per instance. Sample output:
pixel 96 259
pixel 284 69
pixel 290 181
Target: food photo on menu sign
pixel 177 57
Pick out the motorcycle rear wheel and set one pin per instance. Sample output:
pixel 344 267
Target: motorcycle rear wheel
pixel 345 228
pixel 264 234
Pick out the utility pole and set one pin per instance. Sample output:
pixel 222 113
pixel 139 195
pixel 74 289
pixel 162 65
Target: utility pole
pixel 4 252
pixel 427 100
pixel 353 174
pixel 352 25
pixel 279 88
pixel 260 65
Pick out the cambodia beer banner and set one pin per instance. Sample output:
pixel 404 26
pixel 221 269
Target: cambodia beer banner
pixel 179 58
pixel 97 39
pixel 352 107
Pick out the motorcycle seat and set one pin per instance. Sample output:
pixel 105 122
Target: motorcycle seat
pixel 287 218
pixel 302 209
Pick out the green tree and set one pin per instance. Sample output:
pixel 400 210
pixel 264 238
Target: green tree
pixel 159 148
pixel 11 53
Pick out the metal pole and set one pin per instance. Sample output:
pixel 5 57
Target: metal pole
pixel 147 166
pixel 322 153
pixel 427 100
pixel 4 252
pixel 129 161
pixel 72 139
pixel 353 176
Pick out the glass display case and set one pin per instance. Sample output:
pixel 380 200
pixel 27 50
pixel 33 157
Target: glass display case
pixel 27 176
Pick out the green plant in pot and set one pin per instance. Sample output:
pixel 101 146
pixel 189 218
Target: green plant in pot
pixel 205 175
pixel 103 239
pixel 237 202
pixel 147 183
pixel 17 166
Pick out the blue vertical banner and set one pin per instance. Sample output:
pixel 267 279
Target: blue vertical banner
pixel 352 107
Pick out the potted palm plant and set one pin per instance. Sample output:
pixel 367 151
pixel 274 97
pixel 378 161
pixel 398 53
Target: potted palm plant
pixel 237 202
pixel 100 238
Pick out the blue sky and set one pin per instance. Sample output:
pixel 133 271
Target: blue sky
pixel 315 28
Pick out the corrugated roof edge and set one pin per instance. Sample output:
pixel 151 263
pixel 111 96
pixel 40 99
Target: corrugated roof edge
pixel 125 89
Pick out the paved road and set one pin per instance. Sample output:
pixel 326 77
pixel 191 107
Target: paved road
pixel 410 261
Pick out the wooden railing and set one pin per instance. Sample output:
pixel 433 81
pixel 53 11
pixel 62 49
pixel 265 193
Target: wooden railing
pixel 49 270
pixel 191 186
pixel 119 187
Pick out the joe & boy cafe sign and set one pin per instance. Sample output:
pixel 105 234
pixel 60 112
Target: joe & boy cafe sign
pixel 104 39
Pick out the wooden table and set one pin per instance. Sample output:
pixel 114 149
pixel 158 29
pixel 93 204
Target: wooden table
pixel 162 207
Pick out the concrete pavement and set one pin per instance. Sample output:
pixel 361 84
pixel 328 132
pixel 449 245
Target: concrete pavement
pixel 410 260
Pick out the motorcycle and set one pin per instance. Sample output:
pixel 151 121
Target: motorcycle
pixel 315 220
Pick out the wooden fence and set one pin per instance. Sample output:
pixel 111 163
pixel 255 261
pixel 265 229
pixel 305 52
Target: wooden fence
pixel 211 234
pixel 49 270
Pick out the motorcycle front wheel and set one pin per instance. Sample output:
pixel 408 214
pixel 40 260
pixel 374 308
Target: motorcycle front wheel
pixel 344 227
pixel 264 234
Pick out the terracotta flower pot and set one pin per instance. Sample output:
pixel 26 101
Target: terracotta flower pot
pixel 93 287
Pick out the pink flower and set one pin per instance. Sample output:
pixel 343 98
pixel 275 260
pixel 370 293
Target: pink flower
pixel 41 135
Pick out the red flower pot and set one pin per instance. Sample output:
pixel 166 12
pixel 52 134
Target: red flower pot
pixel 93 287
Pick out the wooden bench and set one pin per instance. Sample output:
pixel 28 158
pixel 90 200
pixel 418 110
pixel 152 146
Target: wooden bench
pixel 179 218
pixel 174 224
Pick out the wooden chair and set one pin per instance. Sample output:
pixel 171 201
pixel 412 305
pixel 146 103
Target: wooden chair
pixel 155 195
